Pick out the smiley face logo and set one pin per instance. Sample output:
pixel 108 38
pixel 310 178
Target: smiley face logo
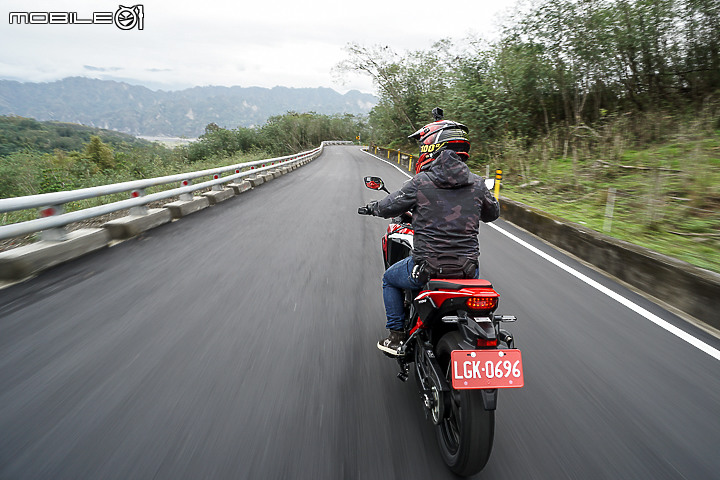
pixel 127 18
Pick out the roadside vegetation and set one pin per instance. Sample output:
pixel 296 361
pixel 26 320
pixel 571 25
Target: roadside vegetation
pixel 663 196
pixel 42 157
pixel 574 99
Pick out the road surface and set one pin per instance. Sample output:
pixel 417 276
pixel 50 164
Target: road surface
pixel 240 343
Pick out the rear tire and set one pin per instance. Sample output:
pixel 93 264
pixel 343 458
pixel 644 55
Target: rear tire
pixel 466 435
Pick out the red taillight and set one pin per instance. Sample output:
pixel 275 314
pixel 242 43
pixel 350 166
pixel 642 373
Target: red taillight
pixel 482 303
pixel 481 342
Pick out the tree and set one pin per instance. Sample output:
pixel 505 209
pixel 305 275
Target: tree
pixel 381 64
pixel 100 153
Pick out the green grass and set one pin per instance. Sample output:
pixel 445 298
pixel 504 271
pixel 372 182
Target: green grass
pixel 680 192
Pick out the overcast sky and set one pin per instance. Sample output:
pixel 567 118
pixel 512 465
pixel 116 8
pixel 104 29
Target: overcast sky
pixel 221 42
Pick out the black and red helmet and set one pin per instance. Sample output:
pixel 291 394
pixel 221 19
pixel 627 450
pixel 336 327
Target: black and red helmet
pixel 438 136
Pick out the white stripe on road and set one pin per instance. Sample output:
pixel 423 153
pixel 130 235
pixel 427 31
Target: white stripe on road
pixel 695 342
pixel 391 164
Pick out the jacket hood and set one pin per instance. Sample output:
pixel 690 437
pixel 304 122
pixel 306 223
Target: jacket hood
pixel 449 171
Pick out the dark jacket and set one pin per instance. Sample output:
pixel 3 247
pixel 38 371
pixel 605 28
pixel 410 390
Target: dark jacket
pixel 447 202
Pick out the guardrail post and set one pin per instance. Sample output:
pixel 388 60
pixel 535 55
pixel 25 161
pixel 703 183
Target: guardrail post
pixel 498 177
pixel 216 188
pixel 609 208
pixel 57 234
pixel 140 209
pixel 186 197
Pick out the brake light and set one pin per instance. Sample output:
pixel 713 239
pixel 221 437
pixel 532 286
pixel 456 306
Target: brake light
pixel 482 303
pixel 482 342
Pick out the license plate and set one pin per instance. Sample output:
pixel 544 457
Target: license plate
pixel 482 369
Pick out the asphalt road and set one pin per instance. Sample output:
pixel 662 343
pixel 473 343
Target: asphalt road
pixel 240 343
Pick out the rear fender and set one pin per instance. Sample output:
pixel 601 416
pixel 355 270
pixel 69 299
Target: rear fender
pixel 471 330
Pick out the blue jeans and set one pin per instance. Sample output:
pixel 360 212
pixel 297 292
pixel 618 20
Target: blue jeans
pixel 395 279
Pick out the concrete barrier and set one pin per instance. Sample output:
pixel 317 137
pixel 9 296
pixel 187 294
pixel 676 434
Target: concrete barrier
pixel 256 180
pixel 182 208
pixel 27 260
pixel 691 289
pixel 240 187
pixel 217 196
pixel 127 227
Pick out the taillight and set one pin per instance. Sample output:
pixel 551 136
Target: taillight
pixel 482 342
pixel 481 303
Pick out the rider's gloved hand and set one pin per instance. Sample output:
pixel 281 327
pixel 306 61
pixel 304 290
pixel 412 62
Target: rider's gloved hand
pixel 365 210
pixel 420 273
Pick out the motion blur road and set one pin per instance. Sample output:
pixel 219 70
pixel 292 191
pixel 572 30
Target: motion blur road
pixel 240 343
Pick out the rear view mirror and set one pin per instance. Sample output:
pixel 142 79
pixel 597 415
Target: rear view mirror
pixel 375 183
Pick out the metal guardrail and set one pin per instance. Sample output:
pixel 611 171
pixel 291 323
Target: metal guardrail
pixel 403 159
pixel 51 204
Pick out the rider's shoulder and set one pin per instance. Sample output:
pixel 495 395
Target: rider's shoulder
pixel 419 178
pixel 475 178
pixel 415 180
pixel 478 181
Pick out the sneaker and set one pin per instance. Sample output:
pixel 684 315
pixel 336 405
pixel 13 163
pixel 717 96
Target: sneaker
pixel 392 343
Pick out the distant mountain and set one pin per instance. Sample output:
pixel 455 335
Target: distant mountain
pixel 140 111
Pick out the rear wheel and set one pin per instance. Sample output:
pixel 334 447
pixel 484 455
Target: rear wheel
pixel 466 434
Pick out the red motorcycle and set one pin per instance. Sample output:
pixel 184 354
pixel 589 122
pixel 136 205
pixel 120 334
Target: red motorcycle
pixel 458 351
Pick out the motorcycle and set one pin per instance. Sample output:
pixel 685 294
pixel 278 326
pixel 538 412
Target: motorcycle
pixel 458 350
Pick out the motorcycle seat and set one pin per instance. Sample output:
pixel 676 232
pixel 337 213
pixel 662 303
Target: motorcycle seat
pixel 457 284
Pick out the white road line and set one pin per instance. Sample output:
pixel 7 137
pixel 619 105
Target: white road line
pixel 697 343
pixel 391 164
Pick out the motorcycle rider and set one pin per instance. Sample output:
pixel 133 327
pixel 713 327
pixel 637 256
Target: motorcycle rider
pixel 447 202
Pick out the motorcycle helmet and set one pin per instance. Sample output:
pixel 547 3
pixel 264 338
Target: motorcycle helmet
pixel 438 136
